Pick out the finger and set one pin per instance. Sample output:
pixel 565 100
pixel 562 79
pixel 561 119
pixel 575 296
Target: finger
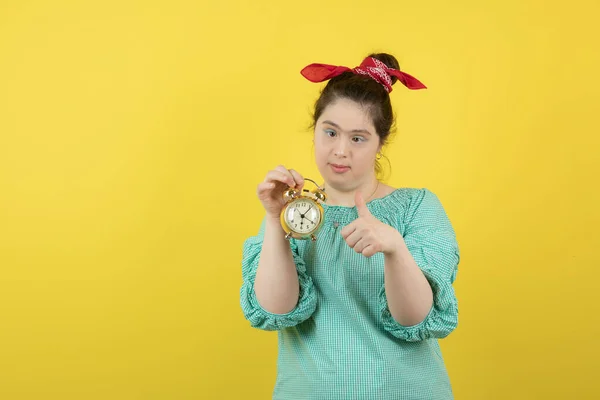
pixel 361 206
pixel 353 239
pixel 348 230
pixel 370 250
pixel 360 245
pixel 264 187
pixel 297 178
pixel 285 171
pixel 278 176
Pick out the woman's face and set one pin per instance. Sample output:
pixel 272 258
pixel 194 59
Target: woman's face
pixel 346 144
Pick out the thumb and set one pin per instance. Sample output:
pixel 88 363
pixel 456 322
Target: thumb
pixel 361 206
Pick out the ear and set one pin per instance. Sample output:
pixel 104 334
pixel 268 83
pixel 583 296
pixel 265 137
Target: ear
pixel 381 144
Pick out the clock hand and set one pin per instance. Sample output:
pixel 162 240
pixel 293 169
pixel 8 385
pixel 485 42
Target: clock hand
pixel 299 213
pixel 302 215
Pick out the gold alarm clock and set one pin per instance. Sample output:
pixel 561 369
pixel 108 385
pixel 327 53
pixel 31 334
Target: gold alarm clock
pixel 302 216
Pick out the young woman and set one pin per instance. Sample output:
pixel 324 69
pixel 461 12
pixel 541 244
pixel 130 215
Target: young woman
pixel 358 311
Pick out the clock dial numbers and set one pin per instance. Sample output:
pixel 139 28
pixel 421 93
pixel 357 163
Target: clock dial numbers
pixel 302 216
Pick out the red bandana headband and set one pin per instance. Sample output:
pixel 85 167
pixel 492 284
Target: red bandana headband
pixel 370 66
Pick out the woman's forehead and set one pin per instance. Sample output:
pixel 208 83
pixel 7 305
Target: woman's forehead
pixel 348 116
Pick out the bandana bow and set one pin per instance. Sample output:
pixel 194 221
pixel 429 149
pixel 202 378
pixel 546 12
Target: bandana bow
pixel 370 66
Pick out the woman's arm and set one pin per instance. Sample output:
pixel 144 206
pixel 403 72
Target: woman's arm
pixel 276 284
pixel 408 292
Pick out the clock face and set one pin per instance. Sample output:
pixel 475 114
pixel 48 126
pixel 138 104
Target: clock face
pixel 302 216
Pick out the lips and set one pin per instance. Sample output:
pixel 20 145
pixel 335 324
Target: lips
pixel 339 168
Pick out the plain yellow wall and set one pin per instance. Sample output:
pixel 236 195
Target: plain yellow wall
pixel 133 134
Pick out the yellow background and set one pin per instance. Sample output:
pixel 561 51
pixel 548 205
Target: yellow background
pixel 133 135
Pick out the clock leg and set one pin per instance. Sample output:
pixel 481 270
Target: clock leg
pixel 288 236
pixel 313 237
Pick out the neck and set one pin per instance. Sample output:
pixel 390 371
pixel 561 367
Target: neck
pixel 345 197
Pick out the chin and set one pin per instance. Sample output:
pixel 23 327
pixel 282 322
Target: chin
pixel 339 181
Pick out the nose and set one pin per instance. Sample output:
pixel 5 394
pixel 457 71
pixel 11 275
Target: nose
pixel 340 149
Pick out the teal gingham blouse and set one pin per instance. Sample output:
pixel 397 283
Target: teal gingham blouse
pixel 341 342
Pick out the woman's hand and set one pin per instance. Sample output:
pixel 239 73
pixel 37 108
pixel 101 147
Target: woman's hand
pixel 270 191
pixel 368 235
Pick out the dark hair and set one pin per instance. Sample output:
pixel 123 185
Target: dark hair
pixel 365 91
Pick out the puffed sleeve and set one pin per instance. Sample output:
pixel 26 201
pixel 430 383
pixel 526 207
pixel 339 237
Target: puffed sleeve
pixel 431 240
pixel 253 312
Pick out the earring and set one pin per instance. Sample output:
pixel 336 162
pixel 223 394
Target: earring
pixel 378 156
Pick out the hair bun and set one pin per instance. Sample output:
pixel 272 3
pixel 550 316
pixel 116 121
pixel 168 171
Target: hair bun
pixel 388 60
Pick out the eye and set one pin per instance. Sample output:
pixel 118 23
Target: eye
pixel 330 132
pixel 358 139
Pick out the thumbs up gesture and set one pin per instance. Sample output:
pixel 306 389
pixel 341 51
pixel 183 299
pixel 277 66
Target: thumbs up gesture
pixel 367 235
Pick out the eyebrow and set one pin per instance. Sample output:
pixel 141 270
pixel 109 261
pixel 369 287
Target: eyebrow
pixel 353 131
